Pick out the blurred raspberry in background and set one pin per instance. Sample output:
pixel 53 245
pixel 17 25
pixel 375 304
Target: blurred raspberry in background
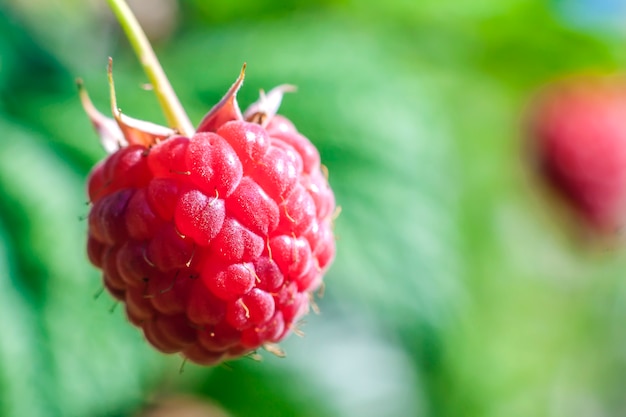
pixel 578 128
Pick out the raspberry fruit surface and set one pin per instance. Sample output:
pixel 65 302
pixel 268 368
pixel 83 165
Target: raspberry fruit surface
pixel 578 127
pixel 215 242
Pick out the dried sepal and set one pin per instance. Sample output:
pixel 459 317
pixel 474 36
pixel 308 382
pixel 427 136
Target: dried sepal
pixel 226 110
pixel 110 134
pixel 135 131
pixel 266 107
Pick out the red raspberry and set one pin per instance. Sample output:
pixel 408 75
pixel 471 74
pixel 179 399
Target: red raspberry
pixel 213 242
pixel 578 127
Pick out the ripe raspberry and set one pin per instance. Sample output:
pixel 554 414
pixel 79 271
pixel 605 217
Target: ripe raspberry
pixel 578 127
pixel 213 242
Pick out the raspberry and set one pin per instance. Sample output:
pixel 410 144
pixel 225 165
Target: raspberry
pixel 579 143
pixel 215 242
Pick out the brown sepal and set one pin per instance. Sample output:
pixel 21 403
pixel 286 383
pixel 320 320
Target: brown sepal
pixel 226 110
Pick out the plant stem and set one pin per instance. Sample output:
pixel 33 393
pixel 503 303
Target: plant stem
pixel 173 110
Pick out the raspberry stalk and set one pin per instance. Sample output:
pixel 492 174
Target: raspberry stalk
pixel 174 113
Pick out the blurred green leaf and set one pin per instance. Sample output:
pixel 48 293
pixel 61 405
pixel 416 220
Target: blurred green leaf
pixel 70 337
pixel 217 12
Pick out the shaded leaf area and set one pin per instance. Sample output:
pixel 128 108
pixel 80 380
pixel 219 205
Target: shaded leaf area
pixel 455 290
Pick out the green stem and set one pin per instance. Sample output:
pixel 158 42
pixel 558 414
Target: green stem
pixel 173 110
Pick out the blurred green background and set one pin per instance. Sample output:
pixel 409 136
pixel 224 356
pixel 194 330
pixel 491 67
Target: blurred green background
pixel 455 292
